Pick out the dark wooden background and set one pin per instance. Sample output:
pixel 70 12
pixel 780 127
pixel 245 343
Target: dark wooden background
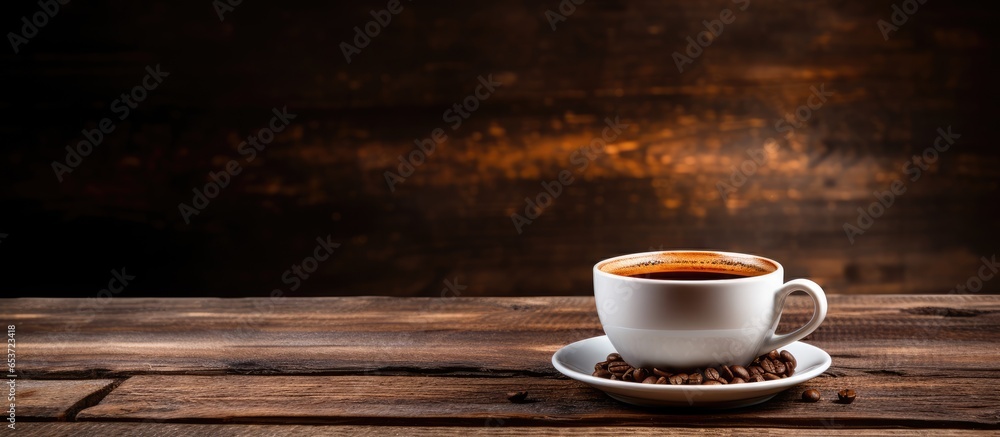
pixel 653 188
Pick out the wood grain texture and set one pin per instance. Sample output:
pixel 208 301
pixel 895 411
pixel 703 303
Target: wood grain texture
pixel 884 401
pixel 56 400
pixel 654 187
pixel 911 335
pixel 493 429
pixel 916 362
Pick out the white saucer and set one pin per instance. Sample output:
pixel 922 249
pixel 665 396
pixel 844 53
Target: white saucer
pixel 577 361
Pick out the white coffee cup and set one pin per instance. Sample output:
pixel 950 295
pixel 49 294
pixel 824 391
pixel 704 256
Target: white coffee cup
pixel 689 323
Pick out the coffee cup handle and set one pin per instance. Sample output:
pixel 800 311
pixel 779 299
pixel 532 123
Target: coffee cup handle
pixel 819 313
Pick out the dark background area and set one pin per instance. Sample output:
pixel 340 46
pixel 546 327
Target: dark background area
pixel 653 188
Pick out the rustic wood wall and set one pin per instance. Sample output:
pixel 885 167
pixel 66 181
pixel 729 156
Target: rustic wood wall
pixel 655 186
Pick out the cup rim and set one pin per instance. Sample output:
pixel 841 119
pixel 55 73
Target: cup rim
pixel 778 269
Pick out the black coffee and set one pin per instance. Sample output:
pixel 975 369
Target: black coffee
pixel 683 275
pixel 688 266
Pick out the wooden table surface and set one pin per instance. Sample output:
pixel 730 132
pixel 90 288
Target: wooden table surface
pixel 416 366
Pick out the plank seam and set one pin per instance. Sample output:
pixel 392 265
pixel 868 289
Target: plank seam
pixel 92 400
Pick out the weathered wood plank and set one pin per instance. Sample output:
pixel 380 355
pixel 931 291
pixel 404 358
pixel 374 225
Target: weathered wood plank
pixel 884 401
pixel 451 216
pixel 495 428
pixel 915 335
pixel 56 400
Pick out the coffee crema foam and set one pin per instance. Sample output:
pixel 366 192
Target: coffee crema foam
pixel 744 265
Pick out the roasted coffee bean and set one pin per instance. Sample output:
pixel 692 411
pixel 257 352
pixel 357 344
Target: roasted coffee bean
pixel 846 396
pixel 779 367
pixel 789 359
pixel 765 364
pixel 711 374
pixel 618 367
pixel 640 374
pixel 740 371
pixel 811 395
pixel 768 367
pixel 726 373
pixel 517 396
